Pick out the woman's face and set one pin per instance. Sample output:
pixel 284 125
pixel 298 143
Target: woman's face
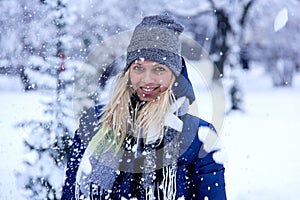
pixel 149 79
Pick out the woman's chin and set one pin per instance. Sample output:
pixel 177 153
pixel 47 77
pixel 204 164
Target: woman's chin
pixel 147 99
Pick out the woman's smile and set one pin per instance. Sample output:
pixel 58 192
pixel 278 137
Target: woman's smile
pixel 149 89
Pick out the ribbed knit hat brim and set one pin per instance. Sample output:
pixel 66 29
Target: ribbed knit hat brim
pixel 156 38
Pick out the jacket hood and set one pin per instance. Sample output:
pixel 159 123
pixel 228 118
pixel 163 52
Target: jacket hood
pixel 183 86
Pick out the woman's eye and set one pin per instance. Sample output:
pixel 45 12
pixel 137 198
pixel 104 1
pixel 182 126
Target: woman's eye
pixel 159 69
pixel 137 68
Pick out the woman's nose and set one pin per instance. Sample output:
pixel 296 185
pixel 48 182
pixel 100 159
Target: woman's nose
pixel 148 77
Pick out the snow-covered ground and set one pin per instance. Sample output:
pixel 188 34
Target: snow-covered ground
pixel 263 161
pixel 262 142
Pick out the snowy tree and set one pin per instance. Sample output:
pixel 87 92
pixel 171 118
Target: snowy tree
pixel 273 40
pixel 49 138
pixel 18 22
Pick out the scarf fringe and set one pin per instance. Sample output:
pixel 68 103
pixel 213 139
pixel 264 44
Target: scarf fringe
pixel 167 187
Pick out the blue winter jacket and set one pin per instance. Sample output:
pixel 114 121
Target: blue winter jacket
pixel 198 175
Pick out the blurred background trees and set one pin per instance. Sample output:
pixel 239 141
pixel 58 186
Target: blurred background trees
pixel 45 42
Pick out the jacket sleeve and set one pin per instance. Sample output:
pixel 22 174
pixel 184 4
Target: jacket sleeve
pixel 88 127
pixel 76 153
pixel 207 170
pixel 207 179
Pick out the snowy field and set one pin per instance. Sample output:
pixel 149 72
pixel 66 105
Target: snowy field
pixel 261 142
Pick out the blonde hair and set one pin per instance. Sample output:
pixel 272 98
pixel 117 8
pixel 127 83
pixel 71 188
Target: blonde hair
pixel 120 117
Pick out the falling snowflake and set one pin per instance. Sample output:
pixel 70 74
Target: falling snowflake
pixel 281 19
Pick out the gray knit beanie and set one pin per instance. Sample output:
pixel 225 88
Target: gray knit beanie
pixel 156 38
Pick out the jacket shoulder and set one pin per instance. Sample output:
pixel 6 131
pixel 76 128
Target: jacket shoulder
pixel 198 137
pixel 89 123
pixel 195 123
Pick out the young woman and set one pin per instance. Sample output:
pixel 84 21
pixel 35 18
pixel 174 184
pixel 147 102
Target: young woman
pixel 143 144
